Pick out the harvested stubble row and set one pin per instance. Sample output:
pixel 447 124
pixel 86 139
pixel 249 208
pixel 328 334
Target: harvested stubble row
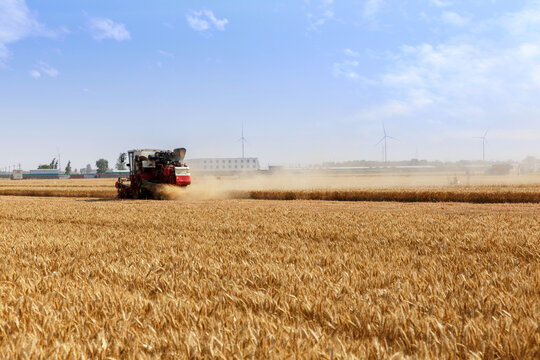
pixel 268 279
pixel 472 194
pixel 479 194
pixel 95 188
pixel 62 192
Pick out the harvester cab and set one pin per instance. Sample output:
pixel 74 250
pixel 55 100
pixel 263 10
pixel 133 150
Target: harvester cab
pixel 150 167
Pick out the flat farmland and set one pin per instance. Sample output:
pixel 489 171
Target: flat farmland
pixel 97 188
pixel 268 279
pixel 424 188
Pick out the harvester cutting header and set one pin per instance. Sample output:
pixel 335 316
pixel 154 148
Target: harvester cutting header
pixel 150 167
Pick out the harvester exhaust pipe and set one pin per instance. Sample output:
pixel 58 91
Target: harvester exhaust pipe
pixel 179 154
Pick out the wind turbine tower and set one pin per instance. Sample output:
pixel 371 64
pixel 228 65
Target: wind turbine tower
pixel 384 138
pixel 243 140
pixel 483 145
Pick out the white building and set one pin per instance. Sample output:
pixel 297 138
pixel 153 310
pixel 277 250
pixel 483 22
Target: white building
pixel 224 164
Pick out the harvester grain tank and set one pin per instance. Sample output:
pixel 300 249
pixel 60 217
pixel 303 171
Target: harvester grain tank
pixel 148 168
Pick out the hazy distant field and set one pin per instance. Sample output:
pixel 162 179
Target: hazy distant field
pixel 263 279
pixel 427 187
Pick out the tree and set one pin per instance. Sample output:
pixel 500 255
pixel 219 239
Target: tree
pixel 44 166
pixel 68 168
pixel 102 166
pixel 88 169
pixel 53 164
pixel 121 162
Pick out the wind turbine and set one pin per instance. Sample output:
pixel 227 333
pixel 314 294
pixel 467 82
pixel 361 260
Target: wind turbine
pixel 386 136
pixel 483 144
pixel 243 140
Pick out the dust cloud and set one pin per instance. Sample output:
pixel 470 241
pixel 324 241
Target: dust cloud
pixel 205 187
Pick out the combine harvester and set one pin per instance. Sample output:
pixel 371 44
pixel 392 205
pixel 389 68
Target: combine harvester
pixel 148 168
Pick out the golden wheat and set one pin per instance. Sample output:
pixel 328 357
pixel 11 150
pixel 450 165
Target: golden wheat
pixel 206 190
pixel 271 279
pixel 477 194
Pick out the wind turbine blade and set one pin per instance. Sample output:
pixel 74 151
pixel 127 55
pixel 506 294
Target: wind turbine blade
pixel 380 141
pixel 393 138
pixel 485 133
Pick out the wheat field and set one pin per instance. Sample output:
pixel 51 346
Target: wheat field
pixel 345 188
pixel 90 278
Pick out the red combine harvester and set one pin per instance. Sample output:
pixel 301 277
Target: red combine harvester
pixel 150 167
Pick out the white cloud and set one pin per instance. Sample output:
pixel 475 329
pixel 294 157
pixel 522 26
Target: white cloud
pixel 104 28
pixel 524 23
pixel 319 13
pixel 16 23
pixel 390 109
pixel 352 53
pixel 205 20
pixel 372 7
pixel 47 69
pixel 4 53
pixel 348 67
pixel 441 3
pixel 165 53
pixel 452 18
pixel 470 79
pixel 43 68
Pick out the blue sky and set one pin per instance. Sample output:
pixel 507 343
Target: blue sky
pixel 311 80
